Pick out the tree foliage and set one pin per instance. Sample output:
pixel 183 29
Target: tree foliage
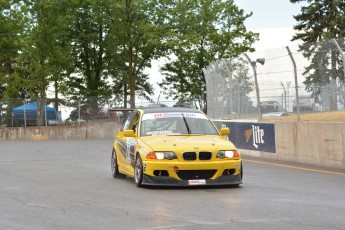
pixel 141 39
pixel 102 48
pixel 319 21
pixel 9 40
pixel 205 30
pixel 41 57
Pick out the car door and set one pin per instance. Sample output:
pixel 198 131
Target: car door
pixel 125 150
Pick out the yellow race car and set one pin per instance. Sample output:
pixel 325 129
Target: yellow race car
pixel 170 146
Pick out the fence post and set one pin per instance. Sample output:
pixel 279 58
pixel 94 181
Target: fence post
pixel 230 82
pixel 296 82
pixel 253 64
pixel 342 57
pixel 79 109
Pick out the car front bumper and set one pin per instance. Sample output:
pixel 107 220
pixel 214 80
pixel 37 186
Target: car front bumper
pixel 169 181
pixel 192 173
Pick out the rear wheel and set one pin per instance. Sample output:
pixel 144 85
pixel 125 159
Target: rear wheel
pixel 115 166
pixel 138 171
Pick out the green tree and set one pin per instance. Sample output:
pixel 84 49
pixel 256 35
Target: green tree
pixel 205 30
pixel 90 29
pixel 40 59
pixel 10 28
pixel 90 37
pixel 114 41
pixel 321 21
pixel 141 35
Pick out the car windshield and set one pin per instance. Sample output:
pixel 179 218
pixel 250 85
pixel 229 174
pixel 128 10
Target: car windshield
pixel 154 124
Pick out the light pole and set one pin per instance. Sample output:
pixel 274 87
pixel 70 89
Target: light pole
pixel 253 64
pixel 296 83
pixel 284 97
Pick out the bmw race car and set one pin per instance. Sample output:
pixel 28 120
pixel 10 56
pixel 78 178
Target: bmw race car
pixel 171 146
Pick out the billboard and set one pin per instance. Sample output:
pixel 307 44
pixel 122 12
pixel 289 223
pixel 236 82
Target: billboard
pixel 251 135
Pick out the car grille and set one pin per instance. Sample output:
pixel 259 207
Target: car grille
pixel 195 174
pixel 191 156
pixel 205 155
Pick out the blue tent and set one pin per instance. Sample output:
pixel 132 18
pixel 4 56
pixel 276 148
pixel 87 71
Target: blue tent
pixel 31 112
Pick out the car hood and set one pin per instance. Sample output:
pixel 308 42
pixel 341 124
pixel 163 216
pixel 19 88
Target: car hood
pixel 189 142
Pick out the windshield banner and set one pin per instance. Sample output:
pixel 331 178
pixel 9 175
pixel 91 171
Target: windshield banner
pixel 148 116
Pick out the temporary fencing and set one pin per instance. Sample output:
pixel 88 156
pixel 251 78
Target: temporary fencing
pixel 282 80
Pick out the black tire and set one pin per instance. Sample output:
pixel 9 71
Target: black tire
pixel 241 172
pixel 115 166
pixel 238 185
pixel 138 171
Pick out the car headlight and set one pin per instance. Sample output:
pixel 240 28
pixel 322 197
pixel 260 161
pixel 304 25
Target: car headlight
pixel 161 155
pixel 228 154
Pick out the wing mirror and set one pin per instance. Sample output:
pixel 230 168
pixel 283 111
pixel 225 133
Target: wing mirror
pixel 128 133
pixel 224 131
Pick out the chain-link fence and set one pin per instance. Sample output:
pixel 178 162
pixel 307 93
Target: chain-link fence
pixel 29 112
pixel 283 81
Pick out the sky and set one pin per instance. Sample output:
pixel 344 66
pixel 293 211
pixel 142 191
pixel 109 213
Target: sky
pixel 269 13
pixel 273 19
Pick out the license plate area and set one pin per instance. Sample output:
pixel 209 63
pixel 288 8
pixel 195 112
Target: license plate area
pixel 197 182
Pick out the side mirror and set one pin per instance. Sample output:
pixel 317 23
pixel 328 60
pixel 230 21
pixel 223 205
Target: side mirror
pixel 224 131
pixel 128 133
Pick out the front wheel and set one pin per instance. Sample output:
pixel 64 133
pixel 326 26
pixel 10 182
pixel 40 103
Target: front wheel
pixel 241 171
pixel 138 171
pixel 115 166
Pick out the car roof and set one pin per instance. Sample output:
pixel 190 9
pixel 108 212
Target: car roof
pixel 169 110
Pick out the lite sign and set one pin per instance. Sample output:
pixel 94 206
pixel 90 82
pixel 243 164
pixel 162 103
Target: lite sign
pixel 251 136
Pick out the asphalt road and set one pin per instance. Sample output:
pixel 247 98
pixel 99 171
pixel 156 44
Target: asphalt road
pixel 68 185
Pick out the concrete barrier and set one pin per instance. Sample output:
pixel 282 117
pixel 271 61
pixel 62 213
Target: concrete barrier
pixel 314 143
pixel 91 130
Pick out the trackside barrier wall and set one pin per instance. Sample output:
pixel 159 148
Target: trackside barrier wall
pixel 94 130
pixel 315 143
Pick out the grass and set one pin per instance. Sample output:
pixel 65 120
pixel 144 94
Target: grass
pixel 329 116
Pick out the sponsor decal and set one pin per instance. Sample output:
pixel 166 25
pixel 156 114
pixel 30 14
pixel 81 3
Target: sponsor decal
pixel 197 182
pixel 193 139
pixel 251 136
pixel 130 141
pixel 167 115
pixel 257 135
pixel 160 132
pixel 135 146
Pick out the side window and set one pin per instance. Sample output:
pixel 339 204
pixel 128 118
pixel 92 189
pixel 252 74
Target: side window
pixel 128 121
pixel 123 124
pixel 135 122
